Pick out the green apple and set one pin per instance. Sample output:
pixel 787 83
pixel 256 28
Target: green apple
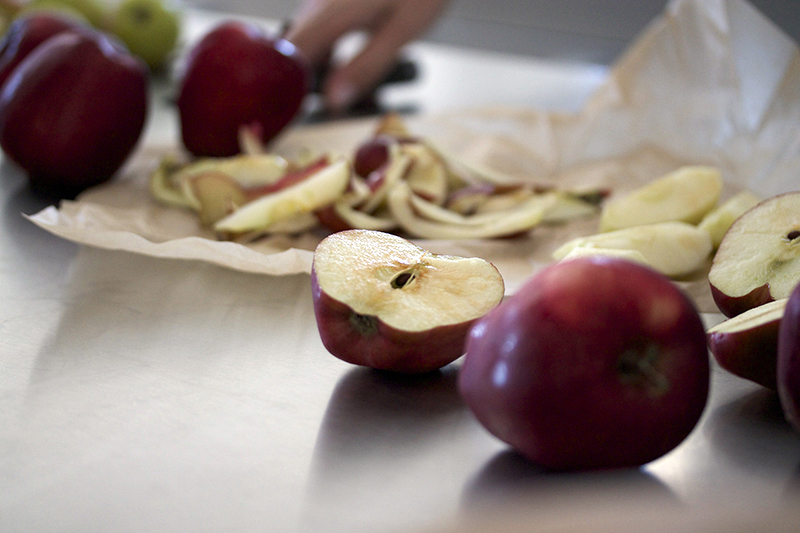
pixel 149 28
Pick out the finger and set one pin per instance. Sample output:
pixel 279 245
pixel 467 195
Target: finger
pixel 372 63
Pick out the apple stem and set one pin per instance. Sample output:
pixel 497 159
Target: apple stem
pixel 637 366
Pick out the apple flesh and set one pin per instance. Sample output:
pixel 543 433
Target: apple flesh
pixel 238 77
pixel 684 195
pixel 788 371
pixel 717 222
pixel 383 302
pixel 595 363
pixel 673 248
pixel 747 344
pixel 758 260
pixel 72 112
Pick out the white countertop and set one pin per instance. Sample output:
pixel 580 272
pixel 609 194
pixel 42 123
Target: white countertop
pixel 144 394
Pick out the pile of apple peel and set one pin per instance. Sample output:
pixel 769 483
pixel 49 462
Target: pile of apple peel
pixel 672 224
pixel 393 183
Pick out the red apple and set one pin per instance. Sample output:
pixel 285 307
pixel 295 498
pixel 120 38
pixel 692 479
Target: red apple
pixel 237 76
pixel 758 260
pixel 72 112
pixel 28 32
pixel 747 344
pixel 594 363
pixel 383 302
pixel 788 372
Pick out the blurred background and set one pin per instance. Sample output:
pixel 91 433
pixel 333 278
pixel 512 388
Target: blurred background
pixel 586 31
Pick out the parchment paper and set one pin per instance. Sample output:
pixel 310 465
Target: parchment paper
pixel 707 82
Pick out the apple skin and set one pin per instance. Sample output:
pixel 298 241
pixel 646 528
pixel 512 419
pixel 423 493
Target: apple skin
pixel 788 366
pixel 238 76
pixel 26 33
pixel 547 371
pixel 366 341
pixel 752 356
pixel 732 306
pixel 72 112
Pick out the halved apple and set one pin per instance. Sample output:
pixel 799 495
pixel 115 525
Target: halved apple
pixel 747 344
pixel 717 222
pixel 684 195
pixel 383 302
pixel 673 248
pixel 317 190
pixel 758 260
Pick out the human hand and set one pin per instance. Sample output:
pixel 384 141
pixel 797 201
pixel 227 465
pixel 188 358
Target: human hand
pixel 390 24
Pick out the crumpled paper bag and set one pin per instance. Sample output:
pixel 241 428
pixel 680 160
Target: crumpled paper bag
pixel 707 82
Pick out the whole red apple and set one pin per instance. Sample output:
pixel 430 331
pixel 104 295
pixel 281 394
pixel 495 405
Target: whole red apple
pixel 788 373
pixel 72 112
pixel 239 76
pixel 383 302
pixel 595 363
pixel 28 32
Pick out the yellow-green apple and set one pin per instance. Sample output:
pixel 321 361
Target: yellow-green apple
pixel 673 248
pixel 237 77
pixel 747 344
pixel 717 222
pixel 149 28
pixel 758 260
pixel 26 33
pixel 383 302
pixel 684 195
pixel 594 363
pixel 72 111
pixel 788 372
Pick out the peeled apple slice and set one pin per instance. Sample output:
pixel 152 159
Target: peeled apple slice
pixel 673 248
pixel 318 190
pixel 717 222
pixel 685 195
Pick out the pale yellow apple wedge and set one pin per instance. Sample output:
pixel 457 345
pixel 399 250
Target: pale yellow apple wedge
pixel 673 248
pixel 717 222
pixel 684 195
pixel 318 190
pixel 583 251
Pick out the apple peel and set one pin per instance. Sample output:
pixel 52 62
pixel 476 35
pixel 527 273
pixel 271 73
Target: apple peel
pixel 316 191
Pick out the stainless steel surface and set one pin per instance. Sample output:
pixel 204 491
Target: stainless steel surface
pixel 142 394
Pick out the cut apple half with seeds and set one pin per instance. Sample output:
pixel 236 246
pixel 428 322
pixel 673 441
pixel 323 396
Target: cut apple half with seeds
pixel 684 195
pixel 758 259
pixel 523 218
pixel 673 248
pixel 316 191
pixel 747 344
pixel 384 302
